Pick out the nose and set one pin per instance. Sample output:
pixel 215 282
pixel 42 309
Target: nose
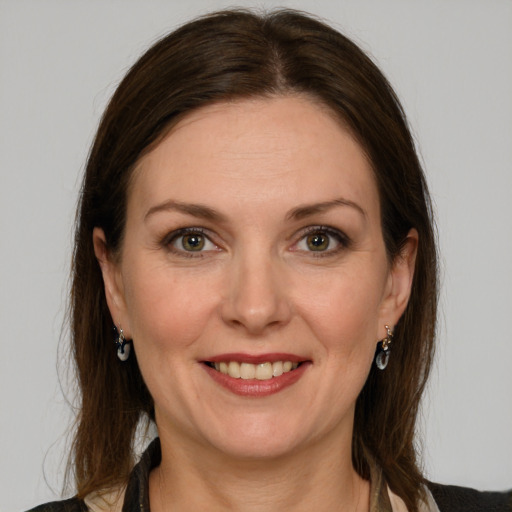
pixel 257 298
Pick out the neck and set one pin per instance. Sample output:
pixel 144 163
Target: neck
pixel 319 477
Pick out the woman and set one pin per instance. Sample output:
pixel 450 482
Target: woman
pixel 255 225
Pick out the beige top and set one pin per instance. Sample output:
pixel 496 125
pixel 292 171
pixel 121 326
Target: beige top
pixel 397 504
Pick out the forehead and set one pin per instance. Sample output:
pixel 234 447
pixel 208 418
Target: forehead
pixel 283 149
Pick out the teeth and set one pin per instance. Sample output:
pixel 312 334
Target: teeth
pixel 262 371
pixel 247 371
pixel 277 368
pixel 234 369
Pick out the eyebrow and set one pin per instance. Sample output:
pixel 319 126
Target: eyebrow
pixel 311 209
pixel 205 212
pixel 196 210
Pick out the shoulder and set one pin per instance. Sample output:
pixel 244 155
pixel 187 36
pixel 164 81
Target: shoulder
pixel 451 498
pixel 108 501
pixel 135 495
pixel 70 505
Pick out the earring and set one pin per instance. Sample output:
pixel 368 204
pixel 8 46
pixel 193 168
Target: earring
pixel 383 350
pixel 123 346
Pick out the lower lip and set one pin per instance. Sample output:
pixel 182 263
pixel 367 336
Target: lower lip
pixel 255 387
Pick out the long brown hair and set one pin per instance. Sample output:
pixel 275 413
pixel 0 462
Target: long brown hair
pixel 233 55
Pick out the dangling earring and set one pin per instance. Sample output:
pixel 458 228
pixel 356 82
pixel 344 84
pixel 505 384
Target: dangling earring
pixel 123 346
pixel 383 350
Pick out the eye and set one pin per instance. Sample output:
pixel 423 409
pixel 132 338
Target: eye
pixel 322 240
pixel 317 242
pixel 190 240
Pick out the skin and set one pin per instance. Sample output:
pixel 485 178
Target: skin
pixel 256 287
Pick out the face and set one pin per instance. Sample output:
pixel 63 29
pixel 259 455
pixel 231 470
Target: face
pixel 253 277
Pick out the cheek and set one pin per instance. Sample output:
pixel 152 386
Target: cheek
pixel 344 312
pixel 167 308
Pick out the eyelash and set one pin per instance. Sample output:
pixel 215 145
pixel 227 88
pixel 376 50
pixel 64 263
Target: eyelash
pixel 341 239
pixel 171 239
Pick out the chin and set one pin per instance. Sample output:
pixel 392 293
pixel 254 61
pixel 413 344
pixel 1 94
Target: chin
pixel 257 438
pixel 256 449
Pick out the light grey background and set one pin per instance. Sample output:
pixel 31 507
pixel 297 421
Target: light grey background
pixel 451 64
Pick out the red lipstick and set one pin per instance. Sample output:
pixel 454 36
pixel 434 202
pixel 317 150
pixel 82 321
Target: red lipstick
pixel 256 387
pixel 256 359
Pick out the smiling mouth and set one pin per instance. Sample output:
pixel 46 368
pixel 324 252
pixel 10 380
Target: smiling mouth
pixel 248 371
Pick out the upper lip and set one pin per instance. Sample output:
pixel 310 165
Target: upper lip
pixel 256 358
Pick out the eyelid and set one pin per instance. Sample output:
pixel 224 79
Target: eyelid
pixel 169 240
pixel 343 241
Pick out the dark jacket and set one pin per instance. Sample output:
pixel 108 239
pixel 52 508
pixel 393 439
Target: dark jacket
pixel 449 498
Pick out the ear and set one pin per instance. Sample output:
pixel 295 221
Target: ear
pixel 112 281
pixel 398 287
